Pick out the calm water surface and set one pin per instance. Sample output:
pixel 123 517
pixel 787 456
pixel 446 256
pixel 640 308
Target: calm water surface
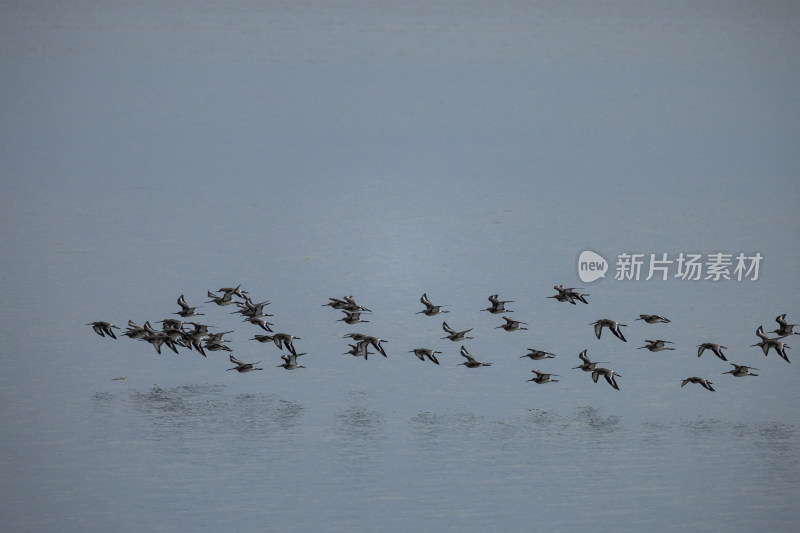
pixel 308 152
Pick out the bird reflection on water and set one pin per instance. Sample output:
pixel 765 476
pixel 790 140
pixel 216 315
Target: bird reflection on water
pixel 177 411
pixel 358 421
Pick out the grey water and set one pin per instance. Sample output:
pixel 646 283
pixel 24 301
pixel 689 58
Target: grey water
pixel 382 150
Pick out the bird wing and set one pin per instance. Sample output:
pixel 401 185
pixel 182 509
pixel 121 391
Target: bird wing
pixel 377 344
pixel 718 352
pixel 466 354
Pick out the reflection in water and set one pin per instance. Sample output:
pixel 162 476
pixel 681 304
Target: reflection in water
pixel 102 397
pixel 205 409
pixel 357 422
pixel 740 430
pixel 537 427
pixel 429 425
pixel 702 425
pixel 287 413
pixel 543 419
pixel 260 415
pixel 775 443
pixel 778 436
pixel 359 434
pixel 653 433
pixel 347 451
pixel 589 415
pixel 778 446
pixel 177 411
pixel 360 423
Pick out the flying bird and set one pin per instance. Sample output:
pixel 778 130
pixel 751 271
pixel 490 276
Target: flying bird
pixel 498 306
pixel 454 335
pixel 612 325
pixel 588 365
pixel 541 377
pixel 568 295
pixel 741 370
pixel 241 366
pixel 374 341
pixel 654 319
pixel 351 317
pixel 103 328
pixel 471 361
pixel 702 381
pixel 359 350
pixel 714 347
pixel 606 373
pixel 511 325
pixel 430 309
pixel 186 311
pixel 785 328
pixel 656 345
pixel 422 353
pixel 290 361
pixel 537 355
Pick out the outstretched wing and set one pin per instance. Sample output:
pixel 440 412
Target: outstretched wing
pixel 466 354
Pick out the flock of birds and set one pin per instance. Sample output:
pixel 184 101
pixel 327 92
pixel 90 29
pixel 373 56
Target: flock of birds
pixel 192 335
